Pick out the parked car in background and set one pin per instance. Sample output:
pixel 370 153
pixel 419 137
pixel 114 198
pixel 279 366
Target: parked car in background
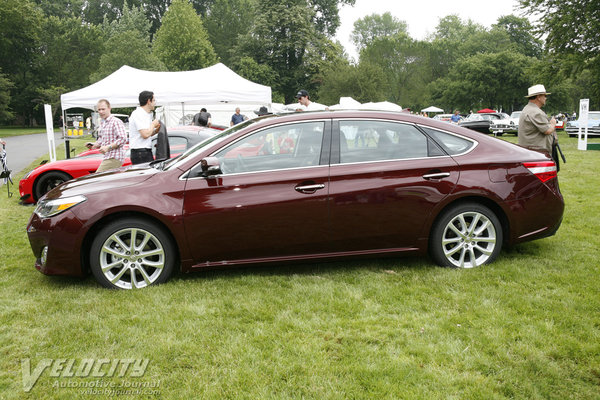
pixel 413 186
pixel 572 127
pixel 443 117
pixel 481 122
pixel 42 179
pixel 506 125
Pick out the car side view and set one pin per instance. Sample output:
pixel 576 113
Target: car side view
pixel 300 187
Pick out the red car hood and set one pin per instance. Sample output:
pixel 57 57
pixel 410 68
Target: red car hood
pixel 104 181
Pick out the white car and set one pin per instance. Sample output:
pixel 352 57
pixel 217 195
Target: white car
pixel 506 125
pixel 593 124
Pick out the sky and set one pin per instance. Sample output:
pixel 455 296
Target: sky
pixel 422 16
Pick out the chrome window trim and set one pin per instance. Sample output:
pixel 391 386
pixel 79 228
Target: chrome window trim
pixel 323 120
pixel 419 128
pixel 475 142
pixel 184 177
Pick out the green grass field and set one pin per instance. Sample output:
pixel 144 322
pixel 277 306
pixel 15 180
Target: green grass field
pixel 525 327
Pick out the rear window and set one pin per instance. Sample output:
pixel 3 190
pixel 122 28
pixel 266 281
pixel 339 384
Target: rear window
pixel 452 144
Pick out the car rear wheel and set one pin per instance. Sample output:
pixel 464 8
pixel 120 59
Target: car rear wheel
pixel 466 236
pixel 49 181
pixel 132 253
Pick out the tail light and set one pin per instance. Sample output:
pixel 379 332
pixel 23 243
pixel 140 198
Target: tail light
pixel 544 170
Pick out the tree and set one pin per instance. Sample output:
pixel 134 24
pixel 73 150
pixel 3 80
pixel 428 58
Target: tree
pixel 405 63
pixel 224 22
pixel 127 42
pixel 374 26
pixel 19 30
pixel 181 42
pixel 520 32
pixel 450 34
pixel 495 80
pixel 364 82
pixel 5 85
pixel 69 52
pixel 571 28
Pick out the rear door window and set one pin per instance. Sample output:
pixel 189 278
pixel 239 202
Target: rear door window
pixel 369 140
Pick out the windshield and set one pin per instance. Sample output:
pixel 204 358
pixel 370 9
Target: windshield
pixel 593 115
pixel 515 114
pixel 227 132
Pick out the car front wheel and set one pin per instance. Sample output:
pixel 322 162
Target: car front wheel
pixel 466 236
pixel 132 253
pixel 49 181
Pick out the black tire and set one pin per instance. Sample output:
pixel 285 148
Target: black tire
pixel 49 181
pixel 129 269
pixel 474 245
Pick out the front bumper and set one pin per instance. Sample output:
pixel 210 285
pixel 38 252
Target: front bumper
pixel 503 128
pixel 62 236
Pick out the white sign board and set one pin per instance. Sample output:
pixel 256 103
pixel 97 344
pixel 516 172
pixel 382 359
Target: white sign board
pixel 584 107
pixel 50 132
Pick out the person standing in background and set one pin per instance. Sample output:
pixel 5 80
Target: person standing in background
pixel 111 138
pixel 237 117
pixel 536 130
pixel 141 128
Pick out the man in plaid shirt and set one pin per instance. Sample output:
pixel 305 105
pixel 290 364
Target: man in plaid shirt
pixel 111 138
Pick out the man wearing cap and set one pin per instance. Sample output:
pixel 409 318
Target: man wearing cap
pixel 536 130
pixel 304 99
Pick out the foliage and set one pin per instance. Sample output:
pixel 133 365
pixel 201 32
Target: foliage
pixel 224 22
pixel 520 32
pixel 126 48
pixel 279 37
pixel 571 27
pixel 70 50
pixel 127 42
pixel 493 80
pixel 404 62
pixel 5 85
pixel 248 68
pixel 19 30
pixel 181 42
pixel 363 82
pixel 374 26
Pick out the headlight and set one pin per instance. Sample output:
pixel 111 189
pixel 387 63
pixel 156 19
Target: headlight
pixel 49 208
pixel 27 175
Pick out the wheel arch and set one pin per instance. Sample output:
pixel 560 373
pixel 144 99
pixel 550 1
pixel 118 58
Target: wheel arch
pixel 484 201
pixel 40 176
pixel 101 223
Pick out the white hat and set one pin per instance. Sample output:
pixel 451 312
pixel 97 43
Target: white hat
pixel 535 90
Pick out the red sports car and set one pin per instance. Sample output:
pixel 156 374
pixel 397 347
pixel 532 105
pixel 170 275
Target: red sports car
pixel 47 176
pixel 416 186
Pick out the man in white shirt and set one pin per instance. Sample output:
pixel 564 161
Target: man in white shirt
pixel 142 128
pixel 304 99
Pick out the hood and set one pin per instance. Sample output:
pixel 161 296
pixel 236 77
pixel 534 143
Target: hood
pixel 114 180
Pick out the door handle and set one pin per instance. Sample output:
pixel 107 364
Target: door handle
pixel 438 175
pixel 309 188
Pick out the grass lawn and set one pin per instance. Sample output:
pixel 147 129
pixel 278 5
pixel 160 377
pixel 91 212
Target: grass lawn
pixel 6 131
pixel 525 327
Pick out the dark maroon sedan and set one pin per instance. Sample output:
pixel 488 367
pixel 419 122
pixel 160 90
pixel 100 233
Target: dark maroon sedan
pixel 302 186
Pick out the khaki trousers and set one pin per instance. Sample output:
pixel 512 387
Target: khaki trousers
pixel 109 163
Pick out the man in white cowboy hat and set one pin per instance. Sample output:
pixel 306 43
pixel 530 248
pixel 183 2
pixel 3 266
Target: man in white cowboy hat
pixel 536 130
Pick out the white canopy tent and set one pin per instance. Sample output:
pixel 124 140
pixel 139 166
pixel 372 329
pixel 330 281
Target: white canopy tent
pixel 432 109
pixel 180 92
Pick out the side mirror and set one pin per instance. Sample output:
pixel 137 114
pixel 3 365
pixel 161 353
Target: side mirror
pixel 211 166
